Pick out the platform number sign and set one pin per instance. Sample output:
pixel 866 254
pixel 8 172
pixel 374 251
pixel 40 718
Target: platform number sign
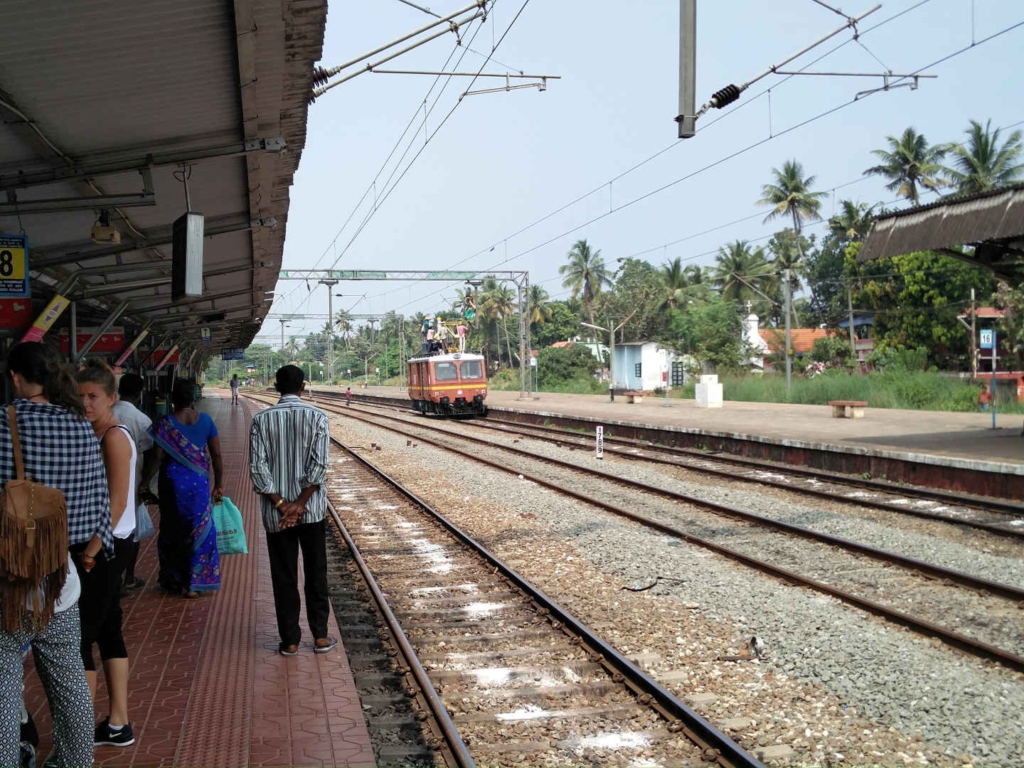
pixel 600 443
pixel 14 267
pixel 987 338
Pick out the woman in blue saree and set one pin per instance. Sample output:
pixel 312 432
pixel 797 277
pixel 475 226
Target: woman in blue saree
pixel 187 447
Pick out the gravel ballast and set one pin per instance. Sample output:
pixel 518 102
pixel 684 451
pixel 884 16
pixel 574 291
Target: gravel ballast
pixel 828 665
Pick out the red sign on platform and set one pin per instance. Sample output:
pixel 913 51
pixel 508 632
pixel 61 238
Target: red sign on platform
pixel 111 341
pixel 158 357
pixel 15 313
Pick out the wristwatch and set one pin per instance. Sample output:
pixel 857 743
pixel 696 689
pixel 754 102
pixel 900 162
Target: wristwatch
pixel 280 503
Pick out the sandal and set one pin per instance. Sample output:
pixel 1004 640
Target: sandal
pixel 332 643
pixel 283 650
pixel 191 595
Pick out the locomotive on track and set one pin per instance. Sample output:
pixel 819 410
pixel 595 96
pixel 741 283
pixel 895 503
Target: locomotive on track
pixel 448 384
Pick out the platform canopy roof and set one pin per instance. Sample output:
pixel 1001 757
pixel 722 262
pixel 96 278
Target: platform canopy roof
pixel 106 104
pixel 990 222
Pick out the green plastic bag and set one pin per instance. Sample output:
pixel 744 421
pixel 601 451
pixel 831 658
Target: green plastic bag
pixel 230 528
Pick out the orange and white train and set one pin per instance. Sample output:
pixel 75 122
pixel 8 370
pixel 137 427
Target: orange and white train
pixel 450 384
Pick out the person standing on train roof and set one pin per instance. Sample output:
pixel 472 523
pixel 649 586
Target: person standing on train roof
pixel 425 327
pixel 460 331
pixel 442 332
pixel 288 456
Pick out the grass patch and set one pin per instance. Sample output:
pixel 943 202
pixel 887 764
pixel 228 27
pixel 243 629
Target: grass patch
pixel 911 390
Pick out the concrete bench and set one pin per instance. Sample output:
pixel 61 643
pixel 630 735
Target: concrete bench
pixel 633 397
pixel 848 409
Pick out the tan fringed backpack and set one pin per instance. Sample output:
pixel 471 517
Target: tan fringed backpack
pixel 33 545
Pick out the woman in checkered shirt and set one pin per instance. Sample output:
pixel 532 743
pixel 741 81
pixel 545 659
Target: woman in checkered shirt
pixel 61 451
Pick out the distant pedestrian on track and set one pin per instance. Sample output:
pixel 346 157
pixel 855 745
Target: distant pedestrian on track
pixel 348 396
pixel 234 389
pixel 64 454
pixel 288 456
pixel 129 393
pixel 187 447
pixel 100 603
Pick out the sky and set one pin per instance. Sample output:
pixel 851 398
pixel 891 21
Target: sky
pixel 567 157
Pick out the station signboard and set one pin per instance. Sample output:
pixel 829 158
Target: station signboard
pixel 14 267
pixel 232 353
pixel 160 354
pixel 987 338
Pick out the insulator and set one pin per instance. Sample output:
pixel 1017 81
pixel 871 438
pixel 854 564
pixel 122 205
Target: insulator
pixel 320 76
pixel 727 95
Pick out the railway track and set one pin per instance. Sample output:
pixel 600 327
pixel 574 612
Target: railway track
pixel 996 516
pixel 1008 656
pixel 498 672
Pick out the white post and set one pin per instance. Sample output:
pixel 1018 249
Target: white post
pixel 600 442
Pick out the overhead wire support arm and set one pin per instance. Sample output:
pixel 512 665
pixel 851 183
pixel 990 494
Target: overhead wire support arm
pixel 452 23
pixel 731 93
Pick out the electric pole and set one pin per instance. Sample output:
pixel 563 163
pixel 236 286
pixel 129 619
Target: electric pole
pixel 974 337
pixel 849 307
pixel 789 331
pixel 330 327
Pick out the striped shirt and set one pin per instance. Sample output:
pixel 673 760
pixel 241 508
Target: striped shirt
pixel 288 452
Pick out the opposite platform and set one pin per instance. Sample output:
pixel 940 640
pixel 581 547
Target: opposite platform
pixel 207 685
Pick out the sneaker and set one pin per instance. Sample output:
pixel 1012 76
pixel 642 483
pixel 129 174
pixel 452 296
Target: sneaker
pixel 106 737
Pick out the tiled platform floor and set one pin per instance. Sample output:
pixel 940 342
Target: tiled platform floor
pixel 207 686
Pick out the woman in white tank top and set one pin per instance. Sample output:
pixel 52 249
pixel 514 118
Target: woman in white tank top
pixel 100 602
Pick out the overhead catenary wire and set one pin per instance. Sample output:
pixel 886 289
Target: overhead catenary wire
pixel 621 175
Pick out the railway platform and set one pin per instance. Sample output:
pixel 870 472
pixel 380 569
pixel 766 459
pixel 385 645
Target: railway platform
pixel 956 451
pixel 207 686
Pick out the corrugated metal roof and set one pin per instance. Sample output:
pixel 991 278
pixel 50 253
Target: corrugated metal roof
pixel 994 216
pixel 126 78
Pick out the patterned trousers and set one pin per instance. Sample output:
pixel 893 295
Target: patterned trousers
pixel 58 658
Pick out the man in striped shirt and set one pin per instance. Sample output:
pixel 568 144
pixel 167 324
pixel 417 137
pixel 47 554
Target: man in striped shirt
pixel 288 455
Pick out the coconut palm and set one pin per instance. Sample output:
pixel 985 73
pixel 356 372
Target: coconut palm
pixel 742 274
pixel 498 304
pixel 540 305
pixel 910 165
pixel 791 195
pixel 679 282
pixel 343 325
pixel 852 222
pixel 981 164
pixel 585 274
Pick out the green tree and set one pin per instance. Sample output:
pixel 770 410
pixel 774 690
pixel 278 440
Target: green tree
pixel 711 333
pixel 585 274
pixel 638 290
pixel 562 325
pixel 499 304
pixel 852 222
pixel 909 165
pixel 560 365
pixel 916 298
pixel 825 269
pixel 790 195
pixel 540 306
pixel 742 274
pixel 981 163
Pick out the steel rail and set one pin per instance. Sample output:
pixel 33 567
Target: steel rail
pixel 904 561
pixel 716 746
pixel 457 754
pixel 929 629
pixel 980 503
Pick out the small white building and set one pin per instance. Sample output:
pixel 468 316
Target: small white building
pixel 643 365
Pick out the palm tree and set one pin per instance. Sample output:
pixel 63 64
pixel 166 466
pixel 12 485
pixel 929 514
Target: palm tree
pixel 540 305
pixel 343 324
pixel 909 164
pixel 791 195
pixel 742 274
pixel 852 222
pixel 585 274
pixel 498 304
pixel 980 164
pixel 680 282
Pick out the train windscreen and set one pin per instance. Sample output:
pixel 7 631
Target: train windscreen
pixel 472 369
pixel 445 372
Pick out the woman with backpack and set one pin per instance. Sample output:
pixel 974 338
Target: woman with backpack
pixel 102 617
pixel 64 455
